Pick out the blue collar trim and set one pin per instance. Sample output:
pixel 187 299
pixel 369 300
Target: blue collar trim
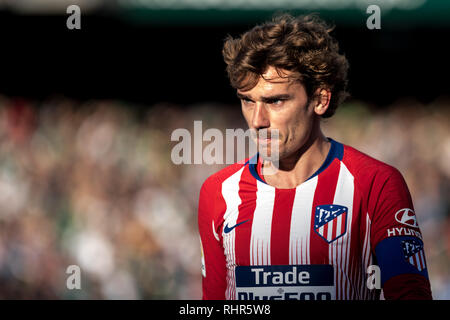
pixel 336 151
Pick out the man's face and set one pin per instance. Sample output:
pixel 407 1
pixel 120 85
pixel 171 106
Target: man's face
pixel 278 103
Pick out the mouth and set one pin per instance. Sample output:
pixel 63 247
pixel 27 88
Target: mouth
pixel 263 140
pixel 267 136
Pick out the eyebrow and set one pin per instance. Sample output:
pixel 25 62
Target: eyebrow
pixel 266 99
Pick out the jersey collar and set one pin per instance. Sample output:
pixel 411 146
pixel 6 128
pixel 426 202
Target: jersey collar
pixel 336 151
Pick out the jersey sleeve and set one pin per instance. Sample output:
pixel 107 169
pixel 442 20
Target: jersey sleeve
pixel 396 238
pixel 213 257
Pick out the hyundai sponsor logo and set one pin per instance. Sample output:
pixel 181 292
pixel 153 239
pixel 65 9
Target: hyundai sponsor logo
pixel 407 217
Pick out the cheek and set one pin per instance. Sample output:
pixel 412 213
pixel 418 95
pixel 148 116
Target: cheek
pixel 298 128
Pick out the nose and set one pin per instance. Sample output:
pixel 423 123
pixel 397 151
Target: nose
pixel 260 117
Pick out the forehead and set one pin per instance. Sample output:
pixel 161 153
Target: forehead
pixel 273 81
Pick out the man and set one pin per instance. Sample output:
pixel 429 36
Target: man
pixel 316 227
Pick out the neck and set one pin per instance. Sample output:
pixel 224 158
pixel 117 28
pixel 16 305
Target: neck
pixel 299 166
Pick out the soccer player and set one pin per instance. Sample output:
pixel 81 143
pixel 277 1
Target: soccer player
pixel 331 222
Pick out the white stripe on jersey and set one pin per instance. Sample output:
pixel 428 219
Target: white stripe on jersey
pixel 230 193
pixel 301 222
pixel 338 250
pixel 262 225
pixel 366 261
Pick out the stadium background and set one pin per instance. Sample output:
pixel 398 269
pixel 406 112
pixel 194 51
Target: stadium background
pixel 86 117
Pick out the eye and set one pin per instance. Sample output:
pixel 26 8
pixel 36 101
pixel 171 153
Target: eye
pixel 276 102
pixel 246 101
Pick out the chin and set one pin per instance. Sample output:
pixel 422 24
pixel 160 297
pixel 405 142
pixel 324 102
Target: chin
pixel 266 153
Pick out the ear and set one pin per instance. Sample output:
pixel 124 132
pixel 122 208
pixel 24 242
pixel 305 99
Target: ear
pixel 323 101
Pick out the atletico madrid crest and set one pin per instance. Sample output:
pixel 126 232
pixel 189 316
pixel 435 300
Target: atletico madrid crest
pixel 330 221
pixel 413 253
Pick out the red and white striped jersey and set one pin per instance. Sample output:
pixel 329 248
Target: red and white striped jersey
pixel 315 241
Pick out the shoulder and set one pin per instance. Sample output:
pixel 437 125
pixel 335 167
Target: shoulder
pixel 214 181
pixel 211 202
pixel 363 166
pixel 381 187
pixel 373 177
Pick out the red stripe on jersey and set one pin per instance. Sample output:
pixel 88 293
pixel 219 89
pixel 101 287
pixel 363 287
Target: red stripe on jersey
pixel 281 221
pixel 247 193
pixel 324 195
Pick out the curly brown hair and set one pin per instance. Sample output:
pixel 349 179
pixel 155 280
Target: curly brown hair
pixel 302 45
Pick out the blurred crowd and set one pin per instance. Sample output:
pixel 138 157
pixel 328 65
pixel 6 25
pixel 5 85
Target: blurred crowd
pixel 92 184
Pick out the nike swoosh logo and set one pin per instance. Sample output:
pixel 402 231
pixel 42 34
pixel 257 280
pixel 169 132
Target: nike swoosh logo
pixel 227 229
